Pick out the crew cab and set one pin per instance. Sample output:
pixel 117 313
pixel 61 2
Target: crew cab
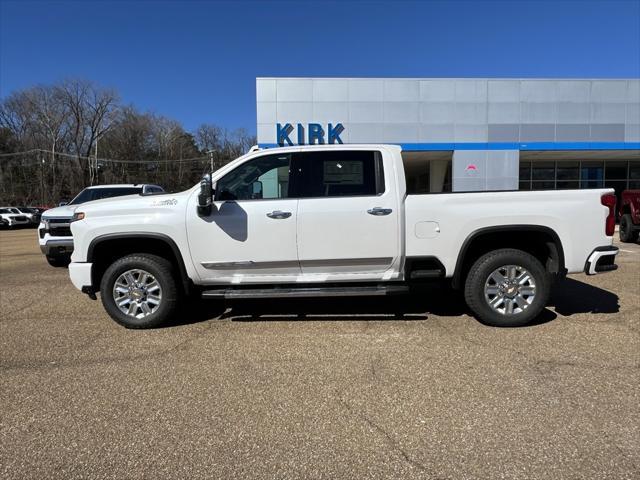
pixel 54 234
pixel 334 220
pixel 630 216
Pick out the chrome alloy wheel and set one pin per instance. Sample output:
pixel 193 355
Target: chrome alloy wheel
pixel 137 293
pixel 509 289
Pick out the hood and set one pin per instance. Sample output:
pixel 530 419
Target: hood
pixel 134 202
pixel 65 211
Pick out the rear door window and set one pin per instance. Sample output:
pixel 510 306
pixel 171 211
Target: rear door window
pixel 340 173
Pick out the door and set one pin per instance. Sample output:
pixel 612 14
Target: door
pixel 250 235
pixel 348 218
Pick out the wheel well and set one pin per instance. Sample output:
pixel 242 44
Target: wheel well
pixel 626 208
pixel 541 242
pixel 103 252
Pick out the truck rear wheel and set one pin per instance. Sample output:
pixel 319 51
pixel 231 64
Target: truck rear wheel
pixel 627 232
pixel 507 288
pixel 139 291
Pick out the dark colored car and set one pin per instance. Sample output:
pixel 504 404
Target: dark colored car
pixel 630 216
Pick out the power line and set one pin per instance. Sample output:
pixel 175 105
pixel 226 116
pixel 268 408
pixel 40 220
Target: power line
pixel 109 160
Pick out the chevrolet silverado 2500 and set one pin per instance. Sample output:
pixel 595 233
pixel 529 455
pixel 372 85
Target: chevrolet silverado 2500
pixel 335 220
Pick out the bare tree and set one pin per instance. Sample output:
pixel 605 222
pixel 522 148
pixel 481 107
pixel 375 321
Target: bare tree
pixel 209 137
pixel 75 122
pixel 50 116
pixel 93 111
pixel 16 116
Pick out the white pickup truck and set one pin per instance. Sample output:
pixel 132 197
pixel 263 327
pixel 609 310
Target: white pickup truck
pixel 54 234
pixel 334 220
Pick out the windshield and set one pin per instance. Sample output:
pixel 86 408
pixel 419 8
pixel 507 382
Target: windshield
pixel 90 194
pixel 5 210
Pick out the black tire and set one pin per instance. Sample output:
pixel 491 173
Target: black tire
pixel 474 290
pixel 159 268
pixel 627 232
pixel 59 261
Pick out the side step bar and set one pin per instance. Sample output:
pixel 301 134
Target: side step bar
pixel 305 292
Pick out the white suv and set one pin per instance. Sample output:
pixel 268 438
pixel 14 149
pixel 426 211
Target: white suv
pixel 54 234
pixel 13 217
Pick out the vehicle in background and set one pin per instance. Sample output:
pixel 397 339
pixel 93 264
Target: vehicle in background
pixel 629 216
pixel 14 217
pixel 54 234
pixel 335 220
pixel 31 213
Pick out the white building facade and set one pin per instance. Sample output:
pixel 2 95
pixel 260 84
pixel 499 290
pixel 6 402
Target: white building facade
pixel 469 134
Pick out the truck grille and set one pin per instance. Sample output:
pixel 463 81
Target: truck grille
pixel 60 231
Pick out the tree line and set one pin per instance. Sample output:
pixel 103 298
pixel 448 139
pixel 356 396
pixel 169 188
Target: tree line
pixel 77 133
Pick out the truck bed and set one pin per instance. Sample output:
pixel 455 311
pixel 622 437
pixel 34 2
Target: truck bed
pixel 438 224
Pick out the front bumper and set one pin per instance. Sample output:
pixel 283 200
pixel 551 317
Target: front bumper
pixel 601 260
pixel 80 274
pixel 57 247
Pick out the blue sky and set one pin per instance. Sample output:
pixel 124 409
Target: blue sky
pixel 196 61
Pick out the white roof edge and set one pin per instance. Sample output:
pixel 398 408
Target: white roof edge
pixel 598 79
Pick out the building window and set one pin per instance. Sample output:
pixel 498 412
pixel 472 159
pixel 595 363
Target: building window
pixel 592 175
pixel 573 174
pixel 525 176
pixel 567 175
pixel 543 175
pixel 634 175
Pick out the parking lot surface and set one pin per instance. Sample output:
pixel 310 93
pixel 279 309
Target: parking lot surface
pixel 411 387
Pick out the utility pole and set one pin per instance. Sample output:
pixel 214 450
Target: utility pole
pixel 95 159
pixel 41 179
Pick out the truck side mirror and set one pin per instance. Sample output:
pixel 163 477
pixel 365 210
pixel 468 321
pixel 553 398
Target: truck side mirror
pixel 205 197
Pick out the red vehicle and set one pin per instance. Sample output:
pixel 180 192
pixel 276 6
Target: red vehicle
pixel 630 216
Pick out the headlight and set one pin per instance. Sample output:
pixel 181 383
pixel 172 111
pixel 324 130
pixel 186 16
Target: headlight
pixel 77 216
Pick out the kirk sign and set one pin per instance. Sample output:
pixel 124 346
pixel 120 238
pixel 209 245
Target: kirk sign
pixel 309 134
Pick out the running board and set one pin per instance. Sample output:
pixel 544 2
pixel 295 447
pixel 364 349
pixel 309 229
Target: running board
pixel 305 292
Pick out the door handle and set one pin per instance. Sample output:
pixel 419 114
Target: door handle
pixel 378 211
pixel 277 214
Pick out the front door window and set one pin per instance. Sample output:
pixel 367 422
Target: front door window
pixel 263 178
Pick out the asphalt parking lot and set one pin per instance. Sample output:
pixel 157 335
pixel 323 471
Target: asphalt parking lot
pixel 401 388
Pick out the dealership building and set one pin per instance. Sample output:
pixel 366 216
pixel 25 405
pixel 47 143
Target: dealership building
pixel 469 134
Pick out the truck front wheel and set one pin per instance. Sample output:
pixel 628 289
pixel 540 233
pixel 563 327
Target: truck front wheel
pixel 139 291
pixel 507 288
